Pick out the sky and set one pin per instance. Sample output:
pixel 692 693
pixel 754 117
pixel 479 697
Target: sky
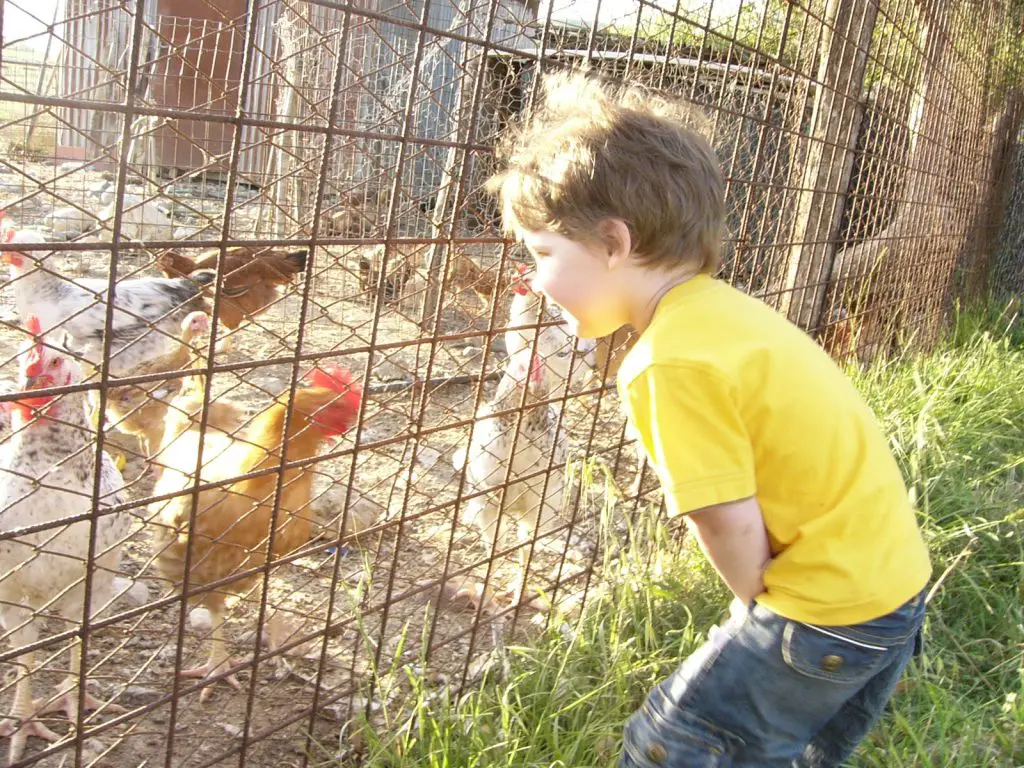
pixel 19 24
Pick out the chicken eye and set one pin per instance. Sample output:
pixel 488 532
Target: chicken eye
pixel 55 363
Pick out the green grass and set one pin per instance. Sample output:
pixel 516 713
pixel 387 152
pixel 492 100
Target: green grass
pixel 956 420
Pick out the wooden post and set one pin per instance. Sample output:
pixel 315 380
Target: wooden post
pixel 466 14
pixel 829 158
pixel 284 145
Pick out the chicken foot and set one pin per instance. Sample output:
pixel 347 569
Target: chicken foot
pixel 218 661
pixel 67 702
pixel 21 722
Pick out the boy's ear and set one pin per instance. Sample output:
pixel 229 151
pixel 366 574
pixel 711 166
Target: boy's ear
pixel 617 241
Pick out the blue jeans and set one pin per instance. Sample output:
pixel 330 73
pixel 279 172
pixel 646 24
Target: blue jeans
pixel 774 693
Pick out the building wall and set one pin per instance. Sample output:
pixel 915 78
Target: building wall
pixel 199 70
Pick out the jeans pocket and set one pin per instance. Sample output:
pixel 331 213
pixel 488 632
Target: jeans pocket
pixel 820 653
pixel 665 736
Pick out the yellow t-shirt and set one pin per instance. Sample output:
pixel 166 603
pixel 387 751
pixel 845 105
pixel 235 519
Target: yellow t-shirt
pixel 731 400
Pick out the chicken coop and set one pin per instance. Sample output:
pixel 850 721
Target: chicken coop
pixel 304 479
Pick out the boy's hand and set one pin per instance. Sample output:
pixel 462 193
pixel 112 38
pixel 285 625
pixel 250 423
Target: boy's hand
pixel 734 539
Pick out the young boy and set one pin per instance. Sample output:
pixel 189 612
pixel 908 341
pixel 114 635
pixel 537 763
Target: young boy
pixel 757 437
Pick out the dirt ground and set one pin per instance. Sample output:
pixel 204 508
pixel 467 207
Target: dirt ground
pixel 381 598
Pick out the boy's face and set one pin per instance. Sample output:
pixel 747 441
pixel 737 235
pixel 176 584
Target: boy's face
pixel 576 276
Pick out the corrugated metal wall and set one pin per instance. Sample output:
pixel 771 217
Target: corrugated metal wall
pixel 94 63
pixel 196 59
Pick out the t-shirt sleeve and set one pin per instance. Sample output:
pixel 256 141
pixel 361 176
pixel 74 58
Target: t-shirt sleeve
pixel 691 429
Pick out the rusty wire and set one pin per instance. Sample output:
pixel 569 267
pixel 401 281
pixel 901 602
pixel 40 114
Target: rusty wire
pixel 870 156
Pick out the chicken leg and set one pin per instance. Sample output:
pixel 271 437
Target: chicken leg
pixel 67 702
pixel 21 722
pixel 219 659
pixel 23 712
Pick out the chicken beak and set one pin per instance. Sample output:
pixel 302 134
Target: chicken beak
pixel 38 382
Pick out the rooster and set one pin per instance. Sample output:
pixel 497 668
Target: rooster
pixel 491 453
pixel 252 278
pixel 145 321
pixel 233 521
pixel 140 409
pixel 46 476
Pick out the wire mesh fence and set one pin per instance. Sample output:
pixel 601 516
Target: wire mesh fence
pixel 282 485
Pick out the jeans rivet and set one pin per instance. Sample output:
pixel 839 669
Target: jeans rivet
pixel 831 663
pixel 657 753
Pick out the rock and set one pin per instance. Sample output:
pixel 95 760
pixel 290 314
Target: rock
pixel 146 642
pixel 131 591
pixel 92 751
pixel 138 696
pixel 363 512
pixel 166 656
pixel 232 730
pixel 200 620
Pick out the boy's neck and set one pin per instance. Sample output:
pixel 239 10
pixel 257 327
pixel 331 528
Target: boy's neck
pixel 650 288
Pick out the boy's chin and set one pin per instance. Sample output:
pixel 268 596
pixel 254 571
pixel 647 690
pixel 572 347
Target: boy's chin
pixel 576 328
pixel 585 330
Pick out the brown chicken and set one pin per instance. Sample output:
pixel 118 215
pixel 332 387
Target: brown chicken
pixel 402 264
pixel 839 336
pixel 140 409
pixel 404 260
pixel 466 275
pixel 232 523
pixel 252 277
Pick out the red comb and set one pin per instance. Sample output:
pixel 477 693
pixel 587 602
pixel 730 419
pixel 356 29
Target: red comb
pixel 334 377
pixel 519 285
pixel 339 380
pixel 33 361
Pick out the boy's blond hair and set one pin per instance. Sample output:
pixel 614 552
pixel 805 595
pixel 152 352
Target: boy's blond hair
pixel 590 152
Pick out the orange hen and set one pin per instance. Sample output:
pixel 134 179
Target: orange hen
pixel 235 522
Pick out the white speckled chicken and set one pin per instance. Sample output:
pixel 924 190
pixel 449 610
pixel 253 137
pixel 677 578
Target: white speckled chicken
pixel 554 343
pixel 491 452
pixel 46 473
pixel 147 316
